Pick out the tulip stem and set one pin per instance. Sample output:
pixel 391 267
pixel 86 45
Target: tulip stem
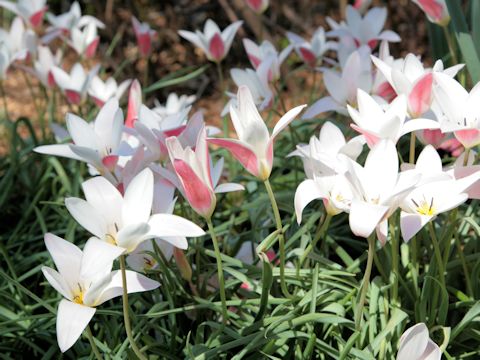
pixel 281 237
pixel 318 235
pixel 221 279
pixel 88 332
pixel 412 148
pixel 365 282
pixel 450 45
pixel 126 315
pixel 4 99
pixel 466 155
pixel 438 254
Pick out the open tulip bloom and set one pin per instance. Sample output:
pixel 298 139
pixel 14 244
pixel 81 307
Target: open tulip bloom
pixel 99 145
pixel 320 156
pixel 31 11
pixel 460 109
pixel 254 147
pixel 192 167
pixel 409 77
pixel 313 51
pixel 125 221
pixel 214 43
pixel 415 344
pixel 42 67
pixel 76 83
pixel 85 280
pixel 356 74
pixel 366 30
pixel 377 189
pixel 437 191
pixel 102 91
pixel 73 18
pixel 375 123
pixel 144 35
pixel 85 41
pixel 266 52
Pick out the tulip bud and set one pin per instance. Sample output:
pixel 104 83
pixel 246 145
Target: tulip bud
pixel 182 264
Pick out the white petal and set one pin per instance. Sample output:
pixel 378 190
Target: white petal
pixel 72 319
pixel 104 197
pixel 57 282
pixel 138 198
pixel 135 283
pixel 98 257
pixel 228 187
pixel 66 256
pixel 364 217
pixel 87 216
pixel 165 225
pixel 306 192
pixel 320 106
pixel 58 150
pixel 413 342
pixel 286 119
pixel 131 235
pixel 411 224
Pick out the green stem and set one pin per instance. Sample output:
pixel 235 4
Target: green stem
pixel 412 148
pixel 466 155
pixel 88 332
pixel 321 230
pixel 394 245
pixel 4 99
pixel 281 237
pixel 438 254
pixel 221 279
pixel 450 45
pixel 126 315
pixel 365 282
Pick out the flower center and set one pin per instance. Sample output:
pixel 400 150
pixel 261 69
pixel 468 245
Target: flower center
pixel 424 207
pixel 149 263
pixel 78 295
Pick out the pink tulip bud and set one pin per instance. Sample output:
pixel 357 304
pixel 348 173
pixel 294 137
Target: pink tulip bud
pixel 259 6
pixel 436 11
pixel 134 103
pixel 144 36
pixel 216 47
pixel 182 263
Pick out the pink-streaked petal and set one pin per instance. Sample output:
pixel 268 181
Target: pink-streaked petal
pixel 36 18
pixel 469 138
pixel 372 139
pixel 216 47
pixel 420 98
pixel 241 152
pixel 73 97
pixel 92 48
pixel 199 194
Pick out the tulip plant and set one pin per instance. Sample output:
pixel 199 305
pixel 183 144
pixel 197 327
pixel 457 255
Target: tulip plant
pixel 341 205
